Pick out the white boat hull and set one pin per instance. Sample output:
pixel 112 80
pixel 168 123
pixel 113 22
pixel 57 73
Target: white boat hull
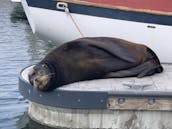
pixel 57 26
pixel 16 1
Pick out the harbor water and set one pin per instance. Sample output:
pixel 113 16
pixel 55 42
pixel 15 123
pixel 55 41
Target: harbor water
pixel 18 49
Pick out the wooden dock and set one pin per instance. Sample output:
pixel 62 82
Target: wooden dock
pixel 120 103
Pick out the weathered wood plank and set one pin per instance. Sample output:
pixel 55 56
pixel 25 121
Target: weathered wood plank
pixel 140 104
pixel 99 119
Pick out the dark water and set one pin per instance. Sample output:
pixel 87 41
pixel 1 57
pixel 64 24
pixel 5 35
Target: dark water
pixel 18 49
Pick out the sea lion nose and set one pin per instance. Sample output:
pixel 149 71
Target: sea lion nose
pixel 36 80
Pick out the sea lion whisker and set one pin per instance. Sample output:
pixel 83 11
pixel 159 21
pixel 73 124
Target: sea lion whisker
pixel 50 74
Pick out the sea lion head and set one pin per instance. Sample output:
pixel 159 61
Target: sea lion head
pixel 40 77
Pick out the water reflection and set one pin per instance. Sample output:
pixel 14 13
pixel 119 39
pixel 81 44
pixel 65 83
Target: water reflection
pixel 17 13
pixel 23 121
pixel 37 50
pixel 18 49
pixel 26 123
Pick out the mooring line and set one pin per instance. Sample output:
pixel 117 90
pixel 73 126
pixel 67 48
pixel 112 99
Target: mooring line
pixel 74 22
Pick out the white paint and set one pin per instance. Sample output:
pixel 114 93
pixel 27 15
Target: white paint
pixel 16 1
pixel 25 73
pixel 28 14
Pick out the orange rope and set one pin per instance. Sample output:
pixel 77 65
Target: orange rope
pixel 74 22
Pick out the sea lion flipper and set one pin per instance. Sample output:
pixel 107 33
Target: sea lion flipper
pixel 147 72
pixel 124 73
pixel 123 54
pixel 150 71
pixel 146 69
pixel 119 74
pixel 113 46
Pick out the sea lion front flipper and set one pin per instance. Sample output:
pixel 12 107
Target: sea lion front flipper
pixel 116 47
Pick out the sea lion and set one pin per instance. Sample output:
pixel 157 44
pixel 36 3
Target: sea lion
pixel 93 58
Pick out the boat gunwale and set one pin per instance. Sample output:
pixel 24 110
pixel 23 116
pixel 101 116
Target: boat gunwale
pixel 123 8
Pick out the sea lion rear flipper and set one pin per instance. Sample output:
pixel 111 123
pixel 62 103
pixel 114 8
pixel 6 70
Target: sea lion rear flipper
pixel 120 74
pixel 150 71
pixel 146 69
pixel 125 73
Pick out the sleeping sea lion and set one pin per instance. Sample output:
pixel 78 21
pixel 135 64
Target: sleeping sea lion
pixel 93 58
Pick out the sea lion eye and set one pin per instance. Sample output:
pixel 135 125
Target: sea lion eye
pixel 44 66
pixel 33 73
